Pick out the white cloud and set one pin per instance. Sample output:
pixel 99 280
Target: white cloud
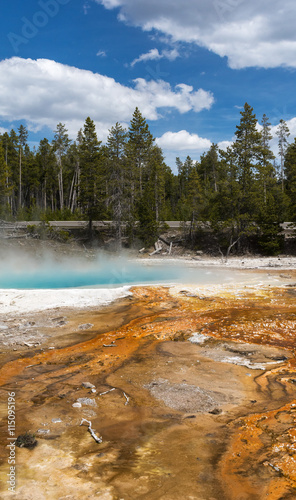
pixel 171 55
pixel 184 98
pixel 3 130
pixel 274 143
pixel 247 32
pixel 154 54
pixel 183 141
pixel 291 126
pixel 224 145
pixel 101 53
pixel 45 92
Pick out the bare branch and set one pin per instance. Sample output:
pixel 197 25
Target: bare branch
pixel 93 434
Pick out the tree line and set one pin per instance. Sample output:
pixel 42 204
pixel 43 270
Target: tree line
pixel 240 195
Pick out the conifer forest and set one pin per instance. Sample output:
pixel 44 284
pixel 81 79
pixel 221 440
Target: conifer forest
pixel 240 195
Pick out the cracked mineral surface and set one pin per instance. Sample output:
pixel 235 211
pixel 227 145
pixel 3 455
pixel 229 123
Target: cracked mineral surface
pixel 191 391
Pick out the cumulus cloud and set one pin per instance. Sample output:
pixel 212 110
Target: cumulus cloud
pixel 183 141
pixel 154 55
pixel 249 33
pixel 224 145
pixel 44 92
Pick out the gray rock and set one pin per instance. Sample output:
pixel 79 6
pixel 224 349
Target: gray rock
pixel 88 385
pixel 86 326
pixel 86 401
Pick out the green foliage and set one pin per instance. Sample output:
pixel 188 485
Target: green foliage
pixel 90 155
pixel 290 175
pixel 236 197
pixel 147 229
pixel 46 232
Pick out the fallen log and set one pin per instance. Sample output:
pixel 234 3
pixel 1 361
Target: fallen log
pixel 164 241
pixel 156 251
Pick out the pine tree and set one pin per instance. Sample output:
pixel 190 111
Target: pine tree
pixel 31 180
pixel 151 206
pixel 61 143
pixel 90 173
pixel 265 168
pixel 247 147
pixel 137 150
pixel 11 151
pixel 139 143
pixel 4 188
pixel 290 174
pixel 46 161
pixel 209 170
pixel 73 158
pixel 268 195
pixel 22 137
pixel 283 134
pixel 116 177
pixel 5 143
pixel 184 171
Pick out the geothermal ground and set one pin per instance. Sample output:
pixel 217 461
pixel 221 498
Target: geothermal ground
pixel 179 392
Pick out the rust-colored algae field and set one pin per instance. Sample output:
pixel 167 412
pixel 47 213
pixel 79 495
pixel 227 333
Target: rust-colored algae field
pixel 124 406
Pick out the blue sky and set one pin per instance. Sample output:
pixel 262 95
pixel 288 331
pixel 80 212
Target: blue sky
pixel 189 66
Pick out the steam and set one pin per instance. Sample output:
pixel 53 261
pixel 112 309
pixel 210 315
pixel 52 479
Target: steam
pixel 19 270
pixel 34 282
pixel 51 272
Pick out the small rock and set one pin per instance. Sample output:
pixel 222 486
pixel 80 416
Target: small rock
pixel 62 323
pixel 86 326
pixel 26 441
pixel 86 401
pixel 216 411
pixel 88 385
pixel 43 431
pixel 77 405
pixel 28 324
pixel 56 420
